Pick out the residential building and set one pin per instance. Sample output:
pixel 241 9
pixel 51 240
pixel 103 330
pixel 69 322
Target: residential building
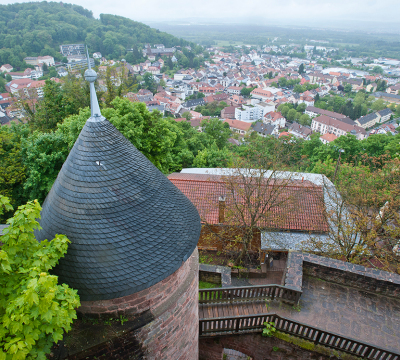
pixel 238 126
pixel 265 129
pixel 312 111
pixel 275 118
pixel 385 115
pixel 368 121
pixel 228 112
pixel 266 106
pixel 327 138
pixel 394 89
pixel 263 95
pixel 248 113
pixel 325 124
pixel 6 68
pixel 300 131
pixel 387 97
pixel 26 88
pixel 72 49
pixel 48 60
pixel 191 104
pixel 97 55
pixel 80 64
pixel 234 90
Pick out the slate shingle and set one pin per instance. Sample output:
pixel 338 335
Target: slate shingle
pixel 129 226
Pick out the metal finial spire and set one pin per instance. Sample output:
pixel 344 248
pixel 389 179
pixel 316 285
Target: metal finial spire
pixel 91 76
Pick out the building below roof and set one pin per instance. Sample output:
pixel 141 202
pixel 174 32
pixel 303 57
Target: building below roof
pixel 328 138
pixel 265 129
pixel 300 131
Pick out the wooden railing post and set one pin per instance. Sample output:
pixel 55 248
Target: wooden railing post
pixel 318 338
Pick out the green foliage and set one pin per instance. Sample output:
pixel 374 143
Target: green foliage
pixel 12 168
pixel 43 156
pixel 207 285
pixel 34 310
pixel 246 91
pixel 213 157
pixel 353 109
pixel 46 25
pixel 217 131
pixel 269 329
pixel 211 108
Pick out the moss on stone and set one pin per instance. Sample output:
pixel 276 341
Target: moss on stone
pixel 308 345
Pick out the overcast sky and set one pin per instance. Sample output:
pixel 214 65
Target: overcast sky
pixel 303 11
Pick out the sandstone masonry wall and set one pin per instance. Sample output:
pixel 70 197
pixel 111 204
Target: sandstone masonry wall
pixel 170 312
pixel 256 346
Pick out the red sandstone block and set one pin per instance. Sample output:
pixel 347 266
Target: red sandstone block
pixel 84 309
pixel 97 309
pixel 166 323
pixel 137 301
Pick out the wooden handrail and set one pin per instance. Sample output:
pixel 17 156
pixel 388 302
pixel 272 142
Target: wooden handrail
pixel 255 323
pixel 248 293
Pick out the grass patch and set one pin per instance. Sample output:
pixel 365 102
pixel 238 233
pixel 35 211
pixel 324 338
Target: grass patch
pixel 207 285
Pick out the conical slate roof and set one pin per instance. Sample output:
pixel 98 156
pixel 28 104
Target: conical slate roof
pixel 129 226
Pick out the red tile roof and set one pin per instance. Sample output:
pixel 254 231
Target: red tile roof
pixel 297 207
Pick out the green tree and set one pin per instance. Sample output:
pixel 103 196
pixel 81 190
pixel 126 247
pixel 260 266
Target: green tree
pixel 187 115
pixel 301 69
pixel 216 131
pixel 378 105
pixel 111 91
pixel 51 108
pixel 43 156
pixel 213 157
pixel 301 107
pixel 377 70
pixel 348 88
pixel 35 311
pixel 298 88
pixel 282 82
pixel 149 82
pixel 246 91
pixel 12 168
pixel 305 120
pixel 291 115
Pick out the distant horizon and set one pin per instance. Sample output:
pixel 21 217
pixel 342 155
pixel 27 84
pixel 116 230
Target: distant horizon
pixel 356 15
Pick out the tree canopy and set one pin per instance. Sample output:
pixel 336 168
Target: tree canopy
pixel 35 310
pixel 47 25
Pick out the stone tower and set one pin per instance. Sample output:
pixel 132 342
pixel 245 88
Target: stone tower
pixel 133 238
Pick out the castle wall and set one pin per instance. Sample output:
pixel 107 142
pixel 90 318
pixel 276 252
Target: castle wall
pixel 171 310
pixel 257 347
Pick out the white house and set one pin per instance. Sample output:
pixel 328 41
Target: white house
pixel 6 68
pixel 248 113
pixel 48 60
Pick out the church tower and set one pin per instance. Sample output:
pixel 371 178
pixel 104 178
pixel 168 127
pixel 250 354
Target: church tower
pixel 133 236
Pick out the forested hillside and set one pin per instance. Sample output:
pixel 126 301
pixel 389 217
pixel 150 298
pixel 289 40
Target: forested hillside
pixel 33 29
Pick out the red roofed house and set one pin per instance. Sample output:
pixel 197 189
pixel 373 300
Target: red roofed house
pixel 238 126
pixel 327 138
pixel 228 112
pixel 6 68
pixel 325 124
pixel 275 118
pixel 261 94
pixel 285 133
pixel 207 90
pixel 298 207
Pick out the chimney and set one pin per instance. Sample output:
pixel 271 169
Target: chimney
pixel 221 214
